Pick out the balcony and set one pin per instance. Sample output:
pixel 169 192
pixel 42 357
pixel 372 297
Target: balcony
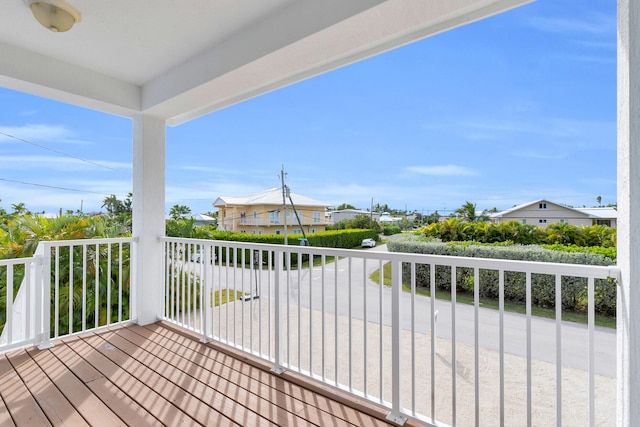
pixel 251 336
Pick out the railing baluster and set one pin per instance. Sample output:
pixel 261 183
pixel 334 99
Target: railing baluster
pixel 558 350
pixel 476 340
pixel 84 287
pixel 70 295
pixel 501 334
pixel 591 315
pixel 413 338
pixel 454 361
pixel 396 345
pixel 432 301
pixel 528 309
pixel 364 327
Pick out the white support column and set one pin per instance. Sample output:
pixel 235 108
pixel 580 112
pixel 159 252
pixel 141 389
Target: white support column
pixel 628 304
pixel 148 216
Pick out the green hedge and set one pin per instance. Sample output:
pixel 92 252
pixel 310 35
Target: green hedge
pixel 342 239
pixel 574 289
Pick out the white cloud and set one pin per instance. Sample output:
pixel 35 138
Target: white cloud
pixel 443 170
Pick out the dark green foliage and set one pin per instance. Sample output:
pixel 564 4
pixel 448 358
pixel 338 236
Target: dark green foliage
pixel 358 222
pixel 390 230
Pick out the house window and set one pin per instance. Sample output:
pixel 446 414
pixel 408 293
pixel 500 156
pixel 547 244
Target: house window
pixel 542 221
pixel 313 230
pixel 277 231
pixel 296 231
pixel 564 221
pixel 542 206
pixel 243 217
pixel 524 221
pixel 255 214
pixel 606 222
pixel 316 217
pixel 274 217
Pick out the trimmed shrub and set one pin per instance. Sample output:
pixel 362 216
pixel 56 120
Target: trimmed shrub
pixel 574 289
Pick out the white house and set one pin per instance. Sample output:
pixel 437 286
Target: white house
pixel 342 214
pixel 543 212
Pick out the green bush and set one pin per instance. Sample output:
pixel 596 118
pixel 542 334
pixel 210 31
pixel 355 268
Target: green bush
pixel 390 230
pixel 574 289
pixel 456 229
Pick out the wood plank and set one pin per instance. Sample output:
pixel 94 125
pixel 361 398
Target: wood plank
pixel 5 416
pixel 202 401
pixel 226 391
pixel 79 395
pixel 144 394
pixel 22 406
pixel 211 370
pixel 52 402
pixel 104 390
pixel 327 405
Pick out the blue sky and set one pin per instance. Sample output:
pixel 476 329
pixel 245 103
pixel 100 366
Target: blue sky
pixel 514 108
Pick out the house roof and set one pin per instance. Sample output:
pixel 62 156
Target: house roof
pixel 605 213
pixel 178 60
pixel 272 196
pixel 527 204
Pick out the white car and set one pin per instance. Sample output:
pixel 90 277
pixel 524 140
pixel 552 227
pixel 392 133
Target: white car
pixel 368 243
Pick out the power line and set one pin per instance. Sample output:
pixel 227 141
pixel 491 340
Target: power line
pixel 54 187
pixel 62 153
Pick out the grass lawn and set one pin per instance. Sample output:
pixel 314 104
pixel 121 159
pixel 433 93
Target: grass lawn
pixel 465 298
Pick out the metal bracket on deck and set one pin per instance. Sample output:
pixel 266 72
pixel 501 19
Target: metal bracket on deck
pixel 396 419
pixel 205 340
pixel 278 370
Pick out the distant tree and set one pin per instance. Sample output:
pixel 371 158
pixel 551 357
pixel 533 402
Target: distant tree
pixel 345 206
pixel 113 205
pixel 128 204
pixel 599 200
pixel 19 209
pixel 431 218
pixel 178 211
pixel 468 213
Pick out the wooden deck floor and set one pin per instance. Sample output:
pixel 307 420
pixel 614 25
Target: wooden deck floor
pixel 158 375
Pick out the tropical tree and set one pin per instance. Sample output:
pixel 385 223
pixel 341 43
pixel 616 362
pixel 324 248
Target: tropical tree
pixel 19 209
pixel 468 212
pixel 345 206
pixel 178 211
pixel 113 205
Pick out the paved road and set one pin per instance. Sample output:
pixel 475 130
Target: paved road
pixel 306 289
pixel 340 299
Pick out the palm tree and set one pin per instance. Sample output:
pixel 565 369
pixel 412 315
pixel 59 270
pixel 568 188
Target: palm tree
pixel 467 212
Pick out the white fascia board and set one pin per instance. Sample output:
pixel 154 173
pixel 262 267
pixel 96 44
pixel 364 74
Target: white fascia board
pixel 40 75
pixel 175 92
pixel 198 87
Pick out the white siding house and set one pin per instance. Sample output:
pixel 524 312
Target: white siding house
pixel 542 212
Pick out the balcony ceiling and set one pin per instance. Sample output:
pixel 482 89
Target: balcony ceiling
pixel 179 59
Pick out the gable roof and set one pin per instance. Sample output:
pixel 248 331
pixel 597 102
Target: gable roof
pixel 272 196
pixel 527 204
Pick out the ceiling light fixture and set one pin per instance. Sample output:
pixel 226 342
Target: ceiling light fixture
pixel 55 15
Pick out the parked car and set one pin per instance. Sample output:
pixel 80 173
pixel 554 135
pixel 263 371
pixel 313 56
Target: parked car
pixel 368 243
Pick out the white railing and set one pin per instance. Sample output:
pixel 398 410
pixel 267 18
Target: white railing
pixel 66 288
pixel 432 359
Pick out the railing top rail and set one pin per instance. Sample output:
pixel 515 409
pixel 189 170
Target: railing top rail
pixel 80 242
pixel 16 261
pixel 579 270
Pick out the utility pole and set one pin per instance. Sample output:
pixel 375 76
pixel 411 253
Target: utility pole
pixel 285 191
pixel 371 215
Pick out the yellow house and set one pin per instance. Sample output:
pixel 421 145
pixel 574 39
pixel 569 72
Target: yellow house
pixel 262 213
